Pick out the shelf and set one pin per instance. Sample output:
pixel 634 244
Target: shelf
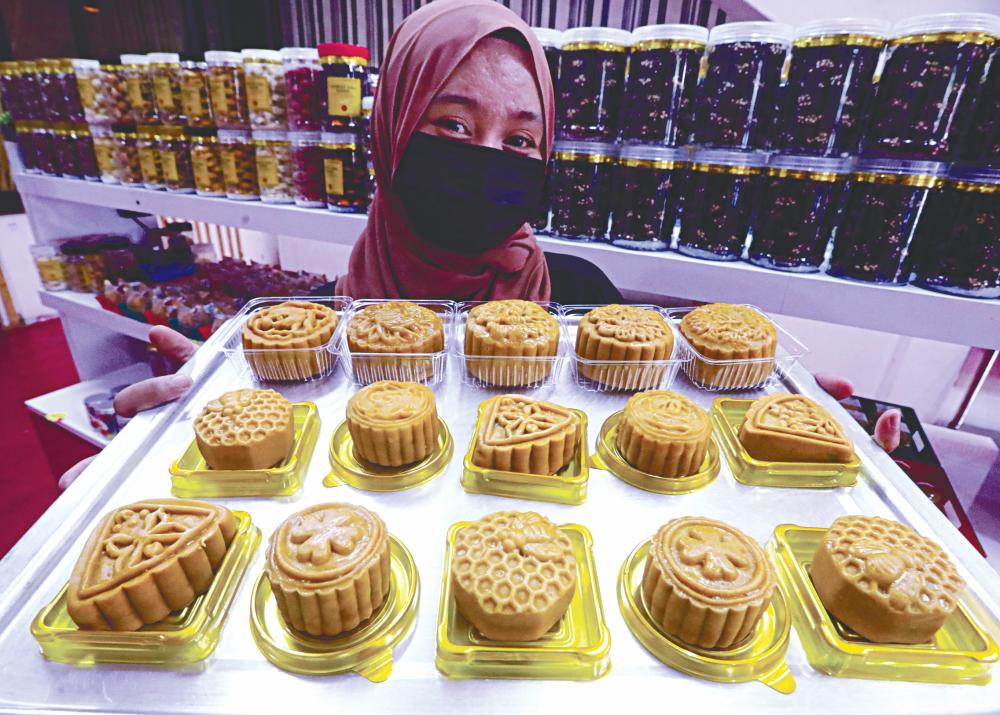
pixel 84 306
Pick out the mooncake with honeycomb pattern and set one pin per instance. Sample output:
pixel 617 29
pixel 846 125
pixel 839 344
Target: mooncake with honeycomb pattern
pixel 885 581
pixel 616 336
pixel 728 332
pixel 706 583
pixel 245 429
pixel 398 327
pixel 146 560
pixel 793 428
pixel 508 329
pixel 521 434
pixel 288 341
pixel 513 574
pixel 664 434
pixel 329 568
pixel 393 423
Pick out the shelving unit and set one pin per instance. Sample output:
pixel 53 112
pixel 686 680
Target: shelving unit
pixel 84 307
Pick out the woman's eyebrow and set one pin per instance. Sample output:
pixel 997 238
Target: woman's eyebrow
pixel 473 103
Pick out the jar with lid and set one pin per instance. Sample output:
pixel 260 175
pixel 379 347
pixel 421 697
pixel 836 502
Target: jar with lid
pixel 111 96
pixel 302 84
pixel 43 144
pixel 149 159
pixel 50 87
pixel 174 152
pixel 307 169
pixel 165 76
pixel 239 165
pixel 591 82
pixel 797 210
pixel 87 73
pixel 10 90
pixel 24 137
pixel 31 94
pixel 67 157
pixel 266 101
pixel 982 144
pixel 345 172
pixel 883 206
pixel 206 164
pixel 103 138
pixel 718 203
pixel 924 102
pixel 273 155
pixel 195 103
pixel 550 40
pixel 580 188
pixel 138 89
pixel 127 167
pixel 86 153
pixel 662 81
pixel 84 266
pixel 227 89
pixel 646 196
pixel 345 79
pixel 49 262
pixel 737 100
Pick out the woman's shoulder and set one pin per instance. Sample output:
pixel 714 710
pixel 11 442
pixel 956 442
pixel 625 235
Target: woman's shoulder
pixel 577 280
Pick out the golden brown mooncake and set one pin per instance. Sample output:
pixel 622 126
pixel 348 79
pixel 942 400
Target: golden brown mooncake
pixel 723 331
pixel 509 329
pixel 885 581
pixel 664 434
pixel 793 428
pixel 245 429
pixel 288 341
pixel 329 568
pixel 521 434
pixel 398 327
pixel 393 423
pixel 145 560
pixel 616 335
pixel 706 583
pixel 514 574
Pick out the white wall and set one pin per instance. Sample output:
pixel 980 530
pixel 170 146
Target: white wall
pixel 797 11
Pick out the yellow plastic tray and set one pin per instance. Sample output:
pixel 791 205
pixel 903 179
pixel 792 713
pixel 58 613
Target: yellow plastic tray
pixel 366 650
pixel 607 457
pixel 761 657
pixel 961 652
pixel 577 648
pixel 193 478
pixel 347 468
pixel 184 637
pixel 567 486
pixel 727 414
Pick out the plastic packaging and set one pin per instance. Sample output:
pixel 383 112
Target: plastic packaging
pixel 86 155
pixel 591 82
pixel 646 196
pixel 551 42
pixel 302 84
pixel 265 78
pixel 165 76
pixel 273 155
pixel 128 167
pixel 239 165
pixel 982 143
pixel 50 264
pixel 67 156
pixel 174 153
pixel 44 149
pixel 227 89
pixel 24 137
pixel 88 82
pixel 111 103
pixel 138 89
pixel 206 165
pixel 580 188
pixel 103 138
pixel 345 79
pixel 345 172
pixel 307 169
pixel 147 144
pixel 195 102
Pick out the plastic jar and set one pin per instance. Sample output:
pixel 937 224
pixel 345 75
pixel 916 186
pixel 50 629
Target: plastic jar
pixel 738 98
pixel 302 85
pixel 31 95
pixel 87 73
pixel 884 203
pixel 662 81
pixel 591 82
pixel 138 88
pixel 307 169
pixel 982 144
pixel 67 157
pixel 49 262
pixel 10 90
pixel 149 159
pixel 925 97
pixel 195 103
pixel 111 95
pixel 265 77
pixel 227 88
pixel 128 169
pixel 239 165
pixel 797 209
pixel 274 166
pixel 206 164
pixel 551 42
pixel 345 79
pixel 174 152
pixel 165 76
pixel 718 203
pixel 44 149
pixel 84 266
pixel 580 188
pixel 345 172
pixel 86 153
pixel 103 138
pixel 646 196
pixel 50 87
pixel 25 144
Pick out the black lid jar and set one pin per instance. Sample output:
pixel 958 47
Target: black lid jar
pixel 591 82
pixel 646 196
pixel 884 202
pixel 580 188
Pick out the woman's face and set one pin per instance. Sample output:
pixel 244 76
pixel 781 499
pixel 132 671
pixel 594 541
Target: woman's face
pixel 491 100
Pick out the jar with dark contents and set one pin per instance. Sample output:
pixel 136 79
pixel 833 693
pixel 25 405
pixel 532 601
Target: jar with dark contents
pixel 50 87
pixel 128 169
pixel 925 99
pixel 718 203
pixel 10 90
pixel 103 139
pixel 31 95
pixel 737 100
pixel 957 246
pixel 302 85
pixel 66 78
pixel 86 152
pixel 540 221
pixel 67 156
pixel 662 82
pixel 982 143
pixel 165 76
pixel 273 155
pixel 829 85
pixel 646 196
pixel 206 163
pixel 344 84
pixel 227 89
pixel 138 89
pixel 345 172
pixel 25 145
pixel 149 159
pixel 44 146
pixel 883 206
pixel 239 165
pixel 591 82
pixel 307 169
pixel 580 188
pixel 195 103
pixel 174 152
pixel 798 204
pixel 266 96
pixel 550 40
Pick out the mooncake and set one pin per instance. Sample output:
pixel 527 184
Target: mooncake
pixel 288 341
pixel 521 434
pixel 793 428
pixel 664 434
pixel 399 327
pixel 727 332
pixel 393 423
pixel 245 429
pixel 612 339
pixel 507 329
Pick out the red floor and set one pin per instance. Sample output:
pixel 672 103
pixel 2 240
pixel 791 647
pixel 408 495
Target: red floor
pixel 34 360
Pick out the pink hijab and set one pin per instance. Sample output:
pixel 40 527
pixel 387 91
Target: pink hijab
pixel 389 261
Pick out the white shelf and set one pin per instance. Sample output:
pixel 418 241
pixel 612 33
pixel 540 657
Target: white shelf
pixel 84 306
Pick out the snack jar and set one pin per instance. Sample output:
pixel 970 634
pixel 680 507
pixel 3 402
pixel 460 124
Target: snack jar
pixel 982 144
pixel 737 100
pixel 797 209
pixel 165 76
pixel 50 88
pixel 924 102
pixel 239 165
pixel 84 265
pixel 273 154
pixel 302 84
pixel 206 163
pixel 128 168
pixel 10 90
pixel 266 101
pixel 174 151
pixel 31 95
pixel 87 73
pixel 957 245
pixel 111 95
pixel 103 138
pixel 49 262
pixel 146 144
pixel 195 103
pixel 718 203
pixel 646 196
pixel 884 203
pixel 591 82
pixel 227 88
pixel 580 188
pixel 67 157
pixel 345 79
pixel 138 89
pixel 551 42
pixel 86 153
pixel 307 169
pixel 830 76
pixel 25 144
pixel 662 82
pixel 345 172
pixel 44 148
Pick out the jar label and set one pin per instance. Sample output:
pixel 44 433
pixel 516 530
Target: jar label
pixel 191 97
pixel 333 171
pixel 218 86
pixel 147 162
pixel 169 162
pixel 105 158
pixel 133 87
pixel 267 171
pixel 50 270
pixel 202 174
pixel 343 96
pixel 229 172
pixel 163 92
pixel 258 93
pixel 87 98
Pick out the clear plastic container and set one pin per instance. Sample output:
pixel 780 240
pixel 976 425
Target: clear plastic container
pixel 345 172
pixel 24 137
pixel 165 76
pixel 67 157
pixel 273 154
pixel 591 82
pixel 307 169
pixel 239 165
pixel 88 81
pixel 580 188
pixel 138 89
pixel 111 103
pixel 551 42
pixel 174 152
pixel 206 165
pixel 44 149
pixel 662 82
pixel 737 101
pixel 86 154
pixel 345 83
pixel 10 90
pixel 266 99
pixel 302 86
pixel 227 88
pixel 50 264
pixel 31 95
pixel 646 196
pixel 51 87
pixel 103 137
pixel 128 168
pixel 147 143
pixel 195 102
pixel 982 143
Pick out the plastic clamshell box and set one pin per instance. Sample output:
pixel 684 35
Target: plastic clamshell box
pixel 366 368
pixel 962 650
pixel 184 637
pixel 625 375
pixel 193 478
pixel 731 375
pixel 347 468
pixel 761 657
pixel 567 486
pixel 365 650
pixel 607 457
pixel 727 415
pixel 578 647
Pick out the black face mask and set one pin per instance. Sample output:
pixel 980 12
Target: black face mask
pixel 463 197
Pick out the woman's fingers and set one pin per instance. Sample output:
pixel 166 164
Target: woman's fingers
pixel 151 393
pixel 70 475
pixel 840 388
pixel 171 344
pixel 887 430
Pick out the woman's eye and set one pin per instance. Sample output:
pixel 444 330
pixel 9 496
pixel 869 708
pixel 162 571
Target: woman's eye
pixel 452 125
pixel 519 141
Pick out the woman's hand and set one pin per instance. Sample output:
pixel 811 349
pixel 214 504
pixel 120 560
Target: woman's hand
pixel 887 426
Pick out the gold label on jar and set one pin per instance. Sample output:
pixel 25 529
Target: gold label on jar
pixel 343 96
pixel 50 270
pixel 258 93
pixel 191 97
pixel 87 98
pixel 199 165
pixel 147 162
pixel 105 158
pixel 229 172
pixel 333 170
pixel 219 88
pixel 133 87
pixel 169 163
pixel 267 171
pixel 163 92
